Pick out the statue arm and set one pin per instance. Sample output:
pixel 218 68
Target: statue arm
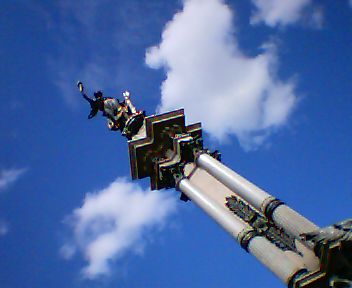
pixel 128 102
pixel 90 101
pixel 81 89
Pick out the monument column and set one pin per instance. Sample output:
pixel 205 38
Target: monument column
pixel 172 155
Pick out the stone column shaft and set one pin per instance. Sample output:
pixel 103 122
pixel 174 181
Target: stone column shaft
pixel 294 223
pixel 222 216
pixel 279 262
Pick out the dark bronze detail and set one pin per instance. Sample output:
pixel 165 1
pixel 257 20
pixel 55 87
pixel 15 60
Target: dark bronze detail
pixel 261 224
pixel 332 272
pixel 184 197
pixel 165 150
pixel 216 154
pixel 333 247
pixel 247 237
pixel 340 232
pixel 178 179
pixel 295 276
pixel 132 125
pixel 271 206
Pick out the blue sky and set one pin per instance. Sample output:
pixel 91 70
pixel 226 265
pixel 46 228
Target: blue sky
pixel 271 81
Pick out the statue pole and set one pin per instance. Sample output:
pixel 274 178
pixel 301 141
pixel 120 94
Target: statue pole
pixel 172 155
pixel 163 148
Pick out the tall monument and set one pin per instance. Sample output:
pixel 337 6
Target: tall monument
pixel 163 148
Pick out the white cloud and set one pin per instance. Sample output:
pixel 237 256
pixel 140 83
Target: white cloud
pixel 7 177
pixel 114 221
pixel 216 83
pixel 285 12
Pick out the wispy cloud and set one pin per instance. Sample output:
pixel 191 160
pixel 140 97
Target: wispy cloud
pixel 113 222
pixel 3 228
pixel 96 42
pixel 286 12
pixel 81 54
pixel 7 177
pixel 216 83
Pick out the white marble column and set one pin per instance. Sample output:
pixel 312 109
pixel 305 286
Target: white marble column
pixel 210 195
pixel 294 223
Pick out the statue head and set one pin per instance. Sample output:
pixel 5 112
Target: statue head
pixel 98 95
